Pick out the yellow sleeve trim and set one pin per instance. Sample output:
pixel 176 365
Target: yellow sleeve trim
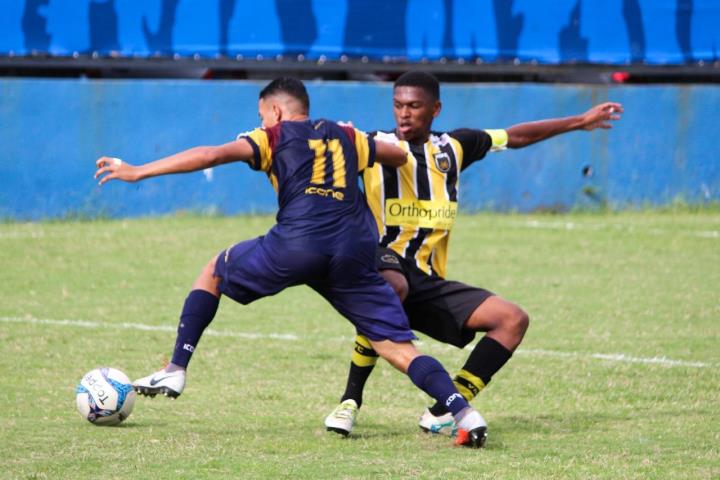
pixel 499 139
pixel 260 137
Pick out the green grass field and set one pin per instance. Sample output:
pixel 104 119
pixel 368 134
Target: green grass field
pixel 617 377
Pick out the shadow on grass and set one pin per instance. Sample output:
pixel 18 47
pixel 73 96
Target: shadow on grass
pixel 501 428
pixel 569 422
pixel 137 425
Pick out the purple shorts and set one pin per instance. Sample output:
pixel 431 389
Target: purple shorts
pixel 263 266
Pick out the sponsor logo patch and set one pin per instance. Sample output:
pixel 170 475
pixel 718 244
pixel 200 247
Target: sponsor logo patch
pixel 420 213
pixel 325 192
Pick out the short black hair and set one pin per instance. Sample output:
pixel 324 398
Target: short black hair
pixel 420 79
pixel 290 86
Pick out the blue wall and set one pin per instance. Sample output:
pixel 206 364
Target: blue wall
pixel 51 132
pixel 551 31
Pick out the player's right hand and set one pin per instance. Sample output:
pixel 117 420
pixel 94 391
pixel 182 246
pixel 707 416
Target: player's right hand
pixel 111 168
pixel 601 115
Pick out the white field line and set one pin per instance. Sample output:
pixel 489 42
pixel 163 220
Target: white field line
pixel 615 357
pixel 140 326
pixel 535 224
pixel 609 357
pixel 559 225
pixel 15 234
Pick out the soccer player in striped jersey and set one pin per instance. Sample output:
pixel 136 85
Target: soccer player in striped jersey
pixel 325 237
pixel 415 206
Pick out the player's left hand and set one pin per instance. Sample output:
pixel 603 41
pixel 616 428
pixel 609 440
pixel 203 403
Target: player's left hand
pixel 111 168
pixel 600 115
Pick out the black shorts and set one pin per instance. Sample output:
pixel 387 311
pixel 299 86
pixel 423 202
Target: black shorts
pixel 436 307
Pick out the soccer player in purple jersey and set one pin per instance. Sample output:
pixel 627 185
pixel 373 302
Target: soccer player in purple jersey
pixel 325 237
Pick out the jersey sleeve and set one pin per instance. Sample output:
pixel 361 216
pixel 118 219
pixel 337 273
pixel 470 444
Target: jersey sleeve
pixel 262 153
pixel 364 146
pixel 476 143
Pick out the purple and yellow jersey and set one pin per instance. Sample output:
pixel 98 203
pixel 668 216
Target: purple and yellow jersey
pixel 314 166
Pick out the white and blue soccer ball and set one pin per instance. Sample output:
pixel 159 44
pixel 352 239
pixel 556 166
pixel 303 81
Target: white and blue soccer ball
pixel 105 396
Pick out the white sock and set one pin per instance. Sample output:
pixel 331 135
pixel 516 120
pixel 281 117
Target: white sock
pixel 469 419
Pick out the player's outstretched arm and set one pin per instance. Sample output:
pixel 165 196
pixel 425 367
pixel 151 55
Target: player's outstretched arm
pixel 197 158
pixel 599 116
pixel 389 154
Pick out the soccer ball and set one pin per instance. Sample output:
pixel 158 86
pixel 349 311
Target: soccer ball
pixel 105 396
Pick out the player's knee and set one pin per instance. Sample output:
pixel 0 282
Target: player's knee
pixel 517 321
pixel 207 280
pixel 210 267
pixel 397 354
pixel 397 282
pixel 399 361
pixel 401 290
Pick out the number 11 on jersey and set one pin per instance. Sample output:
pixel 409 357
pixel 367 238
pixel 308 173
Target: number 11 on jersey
pixel 321 149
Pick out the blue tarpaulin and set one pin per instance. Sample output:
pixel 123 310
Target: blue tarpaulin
pixel 550 32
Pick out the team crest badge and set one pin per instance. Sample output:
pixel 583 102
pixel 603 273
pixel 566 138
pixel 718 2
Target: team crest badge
pixel 389 259
pixel 442 161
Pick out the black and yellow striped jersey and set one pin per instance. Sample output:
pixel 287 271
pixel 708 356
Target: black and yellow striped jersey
pixel 415 205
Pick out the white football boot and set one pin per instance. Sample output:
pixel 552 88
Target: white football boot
pixel 342 419
pixel 472 428
pixel 442 425
pixel 170 384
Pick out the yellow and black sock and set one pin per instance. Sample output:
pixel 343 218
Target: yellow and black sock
pixel 467 384
pixel 484 361
pixel 364 359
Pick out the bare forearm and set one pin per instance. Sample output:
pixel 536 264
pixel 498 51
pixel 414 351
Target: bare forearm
pixel 197 158
pixel 599 116
pixel 525 134
pixel 389 154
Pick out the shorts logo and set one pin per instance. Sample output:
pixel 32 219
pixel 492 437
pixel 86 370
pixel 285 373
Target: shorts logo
pixel 188 347
pixel 387 258
pixel 442 161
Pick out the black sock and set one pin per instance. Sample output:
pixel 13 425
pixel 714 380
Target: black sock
pixel 199 310
pixel 364 359
pixel 484 361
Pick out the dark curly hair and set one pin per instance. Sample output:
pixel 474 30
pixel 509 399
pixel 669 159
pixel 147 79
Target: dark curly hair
pixel 420 79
